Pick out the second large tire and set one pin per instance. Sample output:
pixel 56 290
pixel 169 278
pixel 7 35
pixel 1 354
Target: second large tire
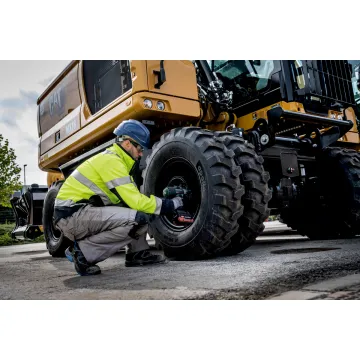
pixel 56 242
pixel 197 160
pixel 330 207
pixel 257 193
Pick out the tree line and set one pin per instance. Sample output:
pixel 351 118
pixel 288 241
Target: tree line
pixel 9 172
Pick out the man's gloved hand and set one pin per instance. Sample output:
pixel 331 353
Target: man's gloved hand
pixel 187 199
pixel 178 202
pixel 170 205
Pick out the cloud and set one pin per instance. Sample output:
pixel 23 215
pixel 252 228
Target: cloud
pixel 18 124
pixel 46 81
pixel 21 131
pixel 26 99
pixel 13 108
pixel 7 118
pixel 31 142
pixel 21 84
pixel 30 97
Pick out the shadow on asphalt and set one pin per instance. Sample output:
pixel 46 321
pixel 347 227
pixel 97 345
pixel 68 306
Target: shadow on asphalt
pixel 166 276
pixel 34 252
pixel 46 257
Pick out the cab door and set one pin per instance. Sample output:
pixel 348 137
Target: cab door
pixel 180 78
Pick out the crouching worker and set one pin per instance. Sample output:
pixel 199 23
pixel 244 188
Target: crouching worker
pixel 100 208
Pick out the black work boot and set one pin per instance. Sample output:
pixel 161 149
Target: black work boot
pixel 144 257
pixel 82 267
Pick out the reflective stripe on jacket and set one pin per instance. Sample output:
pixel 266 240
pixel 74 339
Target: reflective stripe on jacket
pixel 105 177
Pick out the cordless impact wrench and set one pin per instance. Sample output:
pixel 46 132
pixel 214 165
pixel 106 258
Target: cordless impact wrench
pixel 181 217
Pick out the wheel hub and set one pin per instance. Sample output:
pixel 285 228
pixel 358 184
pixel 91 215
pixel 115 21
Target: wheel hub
pixel 180 173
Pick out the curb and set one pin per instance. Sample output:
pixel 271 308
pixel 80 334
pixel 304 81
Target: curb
pixel 333 289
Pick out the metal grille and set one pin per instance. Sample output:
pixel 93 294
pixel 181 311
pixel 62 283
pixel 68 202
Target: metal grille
pixel 330 79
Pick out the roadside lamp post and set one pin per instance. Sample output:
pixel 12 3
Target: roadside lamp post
pixel 24 174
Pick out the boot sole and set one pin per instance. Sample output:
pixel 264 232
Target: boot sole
pixel 85 274
pixel 89 274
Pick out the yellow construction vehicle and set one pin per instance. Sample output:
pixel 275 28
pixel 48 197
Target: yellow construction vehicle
pixel 247 137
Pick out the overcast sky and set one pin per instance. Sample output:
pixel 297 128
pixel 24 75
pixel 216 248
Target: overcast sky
pixel 21 82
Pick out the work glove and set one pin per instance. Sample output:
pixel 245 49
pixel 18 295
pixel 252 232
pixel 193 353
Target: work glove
pixel 178 202
pixel 187 199
pixel 170 205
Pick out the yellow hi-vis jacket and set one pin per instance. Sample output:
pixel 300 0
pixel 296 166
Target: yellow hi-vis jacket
pixel 106 176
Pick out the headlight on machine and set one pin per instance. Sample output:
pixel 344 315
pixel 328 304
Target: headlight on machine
pixel 160 105
pixel 148 103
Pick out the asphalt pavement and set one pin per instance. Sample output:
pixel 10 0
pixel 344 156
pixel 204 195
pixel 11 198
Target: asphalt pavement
pixel 278 266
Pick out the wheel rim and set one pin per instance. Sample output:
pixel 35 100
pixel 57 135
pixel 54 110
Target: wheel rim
pixel 179 172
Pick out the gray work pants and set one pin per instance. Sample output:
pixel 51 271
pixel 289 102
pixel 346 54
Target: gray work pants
pixel 102 231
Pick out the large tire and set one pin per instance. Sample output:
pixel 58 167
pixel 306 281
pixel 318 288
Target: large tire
pixel 257 193
pixel 330 207
pixel 56 242
pixel 195 159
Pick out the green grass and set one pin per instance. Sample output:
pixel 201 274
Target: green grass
pixel 5 236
